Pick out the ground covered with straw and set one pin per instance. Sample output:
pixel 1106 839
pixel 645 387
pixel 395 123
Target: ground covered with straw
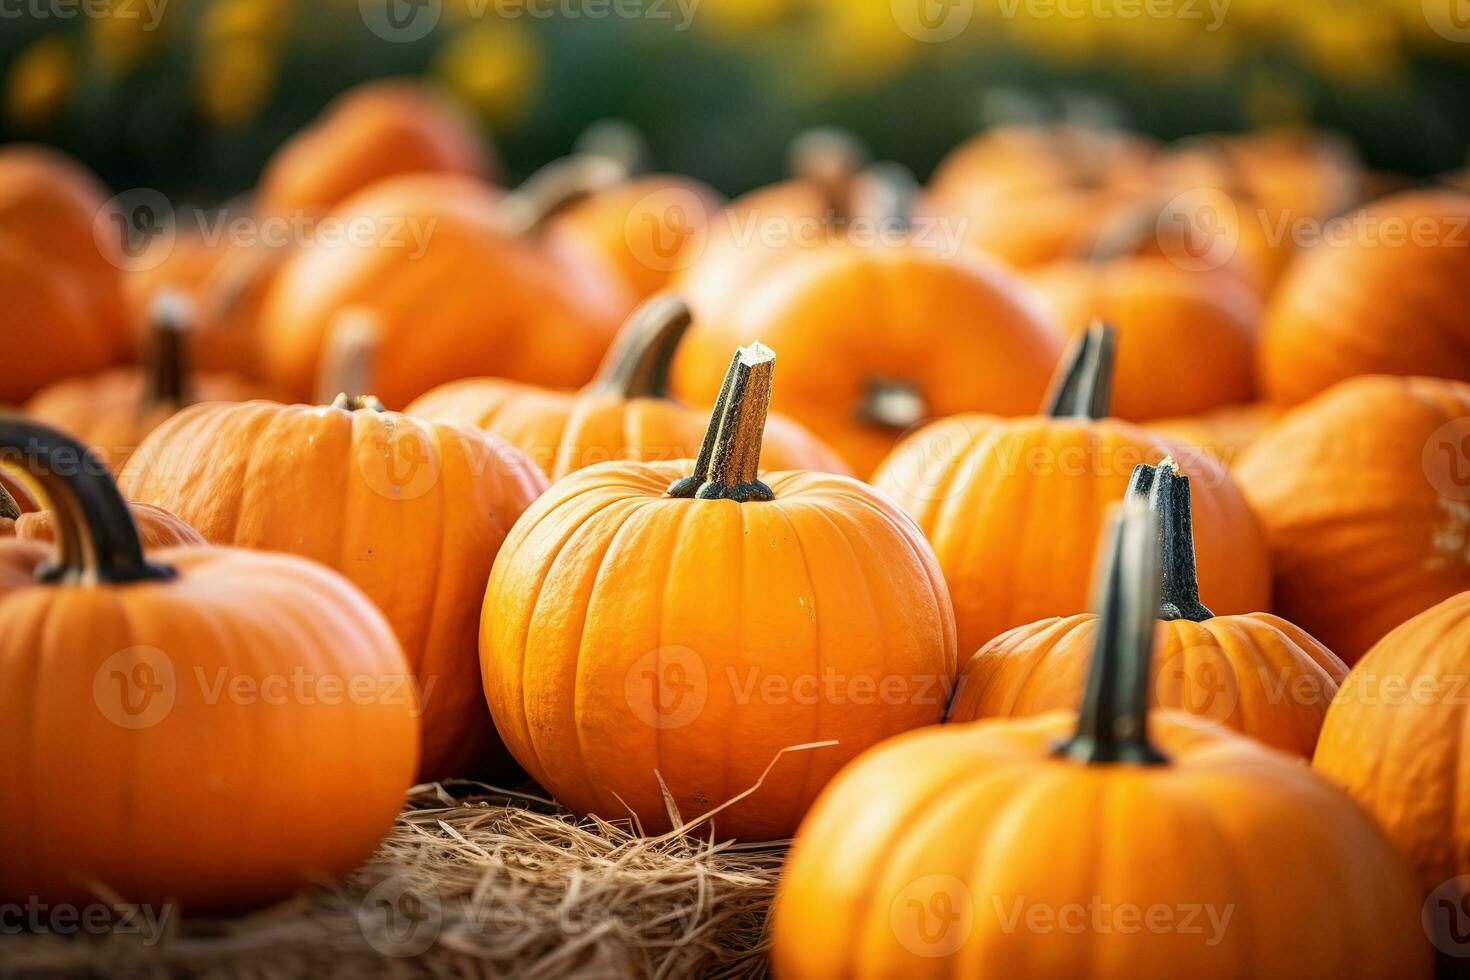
pixel 475 881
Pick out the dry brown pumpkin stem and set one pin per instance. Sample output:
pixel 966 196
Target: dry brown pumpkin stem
pixel 8 507
pixel 729 458
pixel 1084 387
pixel 358 403
pixel 830 159
pixel 168 377
pixel 526 211
pixel 1166 491
pixel 886 193
pixel 637 366
pixel 349 358
pixel 1112 725
pixel 617 140
pixel 892 404
pixel 95 533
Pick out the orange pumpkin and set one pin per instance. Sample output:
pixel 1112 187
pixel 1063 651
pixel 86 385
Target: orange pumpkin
pixel 372 132
pixel 113 411
pixel 441 247
pixel 1111 844
pixel 1196 330
pixel 60 269
pixel 1014 507
pixel 1224 432
pixel 710 622
pixel 1395 739
pixel 413 512
pixel 626 413
pixel 1257 673
pixel 180 725
pixel 1382 294
pixel 157 528
pixel 877 339
pixel 1365 495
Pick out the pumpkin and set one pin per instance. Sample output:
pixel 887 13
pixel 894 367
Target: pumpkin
pixel 412 512
pixel 1014 507
pixel 157 528
pixel 1257 673
pixel 1224 432
pixel 159 748
pixel 1395 738
pixel 372 132
pixel 878 339
pixel 442 246
pixel 1363 493
pixel 1111 843
pixel 1382 294
pixel 60 269
pixel 1197 330
pixel 113 411
pixel 625 413
pixel 673 628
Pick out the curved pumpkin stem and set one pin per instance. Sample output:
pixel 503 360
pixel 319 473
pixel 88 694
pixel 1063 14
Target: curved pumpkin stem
pixel 729 458
pixel 1084 388
pixel 349 356
pixel 526 211
pixel 8 507
pixel 1166 492
pixel 168 378
pixel 637 366
pixel 1113 723
pixel 97 538
pixel 830 159
pixel 617 140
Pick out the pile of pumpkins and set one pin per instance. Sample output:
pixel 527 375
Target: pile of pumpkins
pixel 289 527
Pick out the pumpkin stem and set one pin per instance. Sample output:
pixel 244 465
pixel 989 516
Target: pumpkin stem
pixel 1084 387
pixel 617 140
pixel 98 540
pixel 892 404
pixel 350 355
pixel 637 365
pixel 526 211
pixel 167 378
pixel 1166 492
pixel 1113 723
pixel 8 507
pixel 830 159
pixel 886 193
pixel 729 458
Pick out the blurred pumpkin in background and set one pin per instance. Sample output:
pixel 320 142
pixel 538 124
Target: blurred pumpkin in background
pixel 1382 293
pixel 61 257
pixel 1225 432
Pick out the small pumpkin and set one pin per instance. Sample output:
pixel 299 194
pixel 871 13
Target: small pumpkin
pixel 1257 673
pixel 1395 738
pixel 1014 506
pixel 113 411
pixel 1382 294
pixel 372 132
pixel 1111 844
pixel 626 413
pixel 60 271
pixel 444 244
pixel 412 512
pixel 1224 432
pixel 1364 492
pixel 157 528
pixel 153 755
pixel 659 633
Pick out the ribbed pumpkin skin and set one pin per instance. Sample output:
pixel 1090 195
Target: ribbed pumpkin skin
pixel 563 431
pixel 1257 674
pixel 609 594
pixel 1013 508
pixel 223 801
pixel 1226 432
pixel 1375 305
pixel 965 331
pixel 1196 330
pixel 412 512
pixel 372 132
pixel 916 860
pixel 156 527
pixel 1366 522
pixel 550 323
pixel 1395 738
pixel 60 273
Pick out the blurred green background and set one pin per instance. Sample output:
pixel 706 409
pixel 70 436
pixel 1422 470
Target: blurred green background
pixel 191 96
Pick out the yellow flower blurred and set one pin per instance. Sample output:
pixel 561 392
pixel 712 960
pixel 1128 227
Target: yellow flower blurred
pixel 126 32
pixel 253 20
pixel 742 17
pixel 495 65
pixel 237 78
pixel 39 82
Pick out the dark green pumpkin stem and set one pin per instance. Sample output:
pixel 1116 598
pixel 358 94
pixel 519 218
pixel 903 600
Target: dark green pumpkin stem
pixel 1166 492
pixel 1113 723
pixel 1084 387
pixel 830 159
pixel 97 538
pixel 8 507
pixel 526 211
pixel 168 378
pixel 729 458
pixel 637 366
